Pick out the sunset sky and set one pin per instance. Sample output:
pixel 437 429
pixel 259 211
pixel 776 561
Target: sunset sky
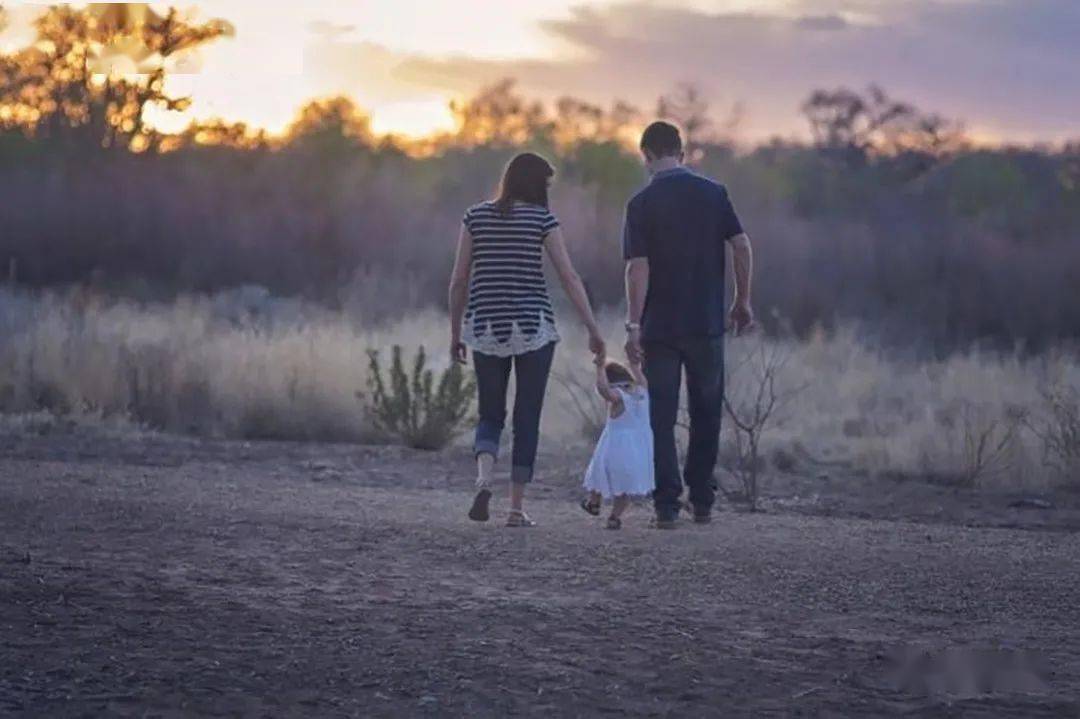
pixel 1005 67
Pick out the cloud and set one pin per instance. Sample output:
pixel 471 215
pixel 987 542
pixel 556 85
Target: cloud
pixel 17 29
pixel 822 22
pixel 329 29
pixel 366 70
pixel 1005 67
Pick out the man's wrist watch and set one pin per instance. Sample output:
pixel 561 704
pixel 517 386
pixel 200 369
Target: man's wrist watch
pixel 633 326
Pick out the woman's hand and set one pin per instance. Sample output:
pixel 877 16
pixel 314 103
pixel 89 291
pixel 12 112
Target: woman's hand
pixel 596 344
pixel 459 292
pixel 458 352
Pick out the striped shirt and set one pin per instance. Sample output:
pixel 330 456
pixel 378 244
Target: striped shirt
pixel 509 311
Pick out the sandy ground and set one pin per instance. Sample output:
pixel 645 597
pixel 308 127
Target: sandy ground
pixel 168 577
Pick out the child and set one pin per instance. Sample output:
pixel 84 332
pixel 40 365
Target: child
pixel 622 464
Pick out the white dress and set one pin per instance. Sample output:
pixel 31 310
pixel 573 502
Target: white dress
pixel 622 462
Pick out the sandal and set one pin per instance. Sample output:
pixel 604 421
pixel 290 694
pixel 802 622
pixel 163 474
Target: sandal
pixel 479 510
pixel 518 518
pixel 614 523
pixel 590 507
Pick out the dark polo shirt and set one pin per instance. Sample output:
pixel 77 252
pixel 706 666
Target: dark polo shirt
pixel 680 223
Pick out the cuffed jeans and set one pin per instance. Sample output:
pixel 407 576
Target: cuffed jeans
pixel 531 371
pixel 703 359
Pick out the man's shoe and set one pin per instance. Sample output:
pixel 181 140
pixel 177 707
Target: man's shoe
pixel 701 515
pixel 664 521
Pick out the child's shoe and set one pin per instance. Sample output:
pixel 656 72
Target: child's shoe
pixel 591 507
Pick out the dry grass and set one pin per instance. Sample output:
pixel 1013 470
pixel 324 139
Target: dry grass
pixel 266 369
pixel 187 367
pixel 955 421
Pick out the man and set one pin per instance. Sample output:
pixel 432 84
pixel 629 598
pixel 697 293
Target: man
pixel 674 246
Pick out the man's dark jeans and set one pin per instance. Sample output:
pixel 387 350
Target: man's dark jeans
pixel 531 372
pixel 703 359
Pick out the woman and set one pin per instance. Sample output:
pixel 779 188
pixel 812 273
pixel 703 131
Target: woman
pixel 499 306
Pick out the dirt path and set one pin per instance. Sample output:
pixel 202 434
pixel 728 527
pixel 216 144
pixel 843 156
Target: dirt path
pixel 255 580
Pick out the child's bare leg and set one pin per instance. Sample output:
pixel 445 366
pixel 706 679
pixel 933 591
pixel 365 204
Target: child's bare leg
pixel 619 505
pixel 485 463
pixel 592 503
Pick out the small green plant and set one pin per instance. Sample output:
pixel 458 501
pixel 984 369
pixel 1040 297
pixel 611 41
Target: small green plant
pixel 411 407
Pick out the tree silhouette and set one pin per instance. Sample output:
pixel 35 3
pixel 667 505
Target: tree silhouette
pixel 856 126
pixel 579 121
pixel 334 123
pixel 218 132
pixel 687 108
pixel 500 117
pixel 576 119
pixel 92 74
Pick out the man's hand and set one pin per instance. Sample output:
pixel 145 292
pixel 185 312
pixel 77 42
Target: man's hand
pixel 741 317
pixel 634 352
pixel 458 353
pixel 637 286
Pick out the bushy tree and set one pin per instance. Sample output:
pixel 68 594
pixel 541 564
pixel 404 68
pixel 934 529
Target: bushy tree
pixel 92 73
pixel 937 255
pixel 856 126
pixel 499 116
pixel 579 122
pixel 219 133
pixel 331 125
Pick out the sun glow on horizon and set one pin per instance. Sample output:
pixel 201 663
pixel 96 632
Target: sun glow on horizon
pixel 260 76
pixel 403 61
pixel 413 119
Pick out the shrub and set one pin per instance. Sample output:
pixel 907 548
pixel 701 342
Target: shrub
pixel 986 442
pixel 411 408
pixel 1059 431
pixel 752 403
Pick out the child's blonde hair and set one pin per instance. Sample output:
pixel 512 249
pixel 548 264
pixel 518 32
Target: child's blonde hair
pixel 617 373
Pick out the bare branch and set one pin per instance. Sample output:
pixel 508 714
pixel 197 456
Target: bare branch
pixel 759 370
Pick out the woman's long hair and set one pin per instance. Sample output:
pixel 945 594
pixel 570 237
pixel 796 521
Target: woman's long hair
pixel 524 180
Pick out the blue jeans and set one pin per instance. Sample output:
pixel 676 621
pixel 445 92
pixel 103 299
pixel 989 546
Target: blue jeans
pixel 531 372
pixel 703 359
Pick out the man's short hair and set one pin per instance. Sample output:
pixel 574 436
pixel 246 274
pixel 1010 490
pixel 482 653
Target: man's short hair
pixel 661 139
